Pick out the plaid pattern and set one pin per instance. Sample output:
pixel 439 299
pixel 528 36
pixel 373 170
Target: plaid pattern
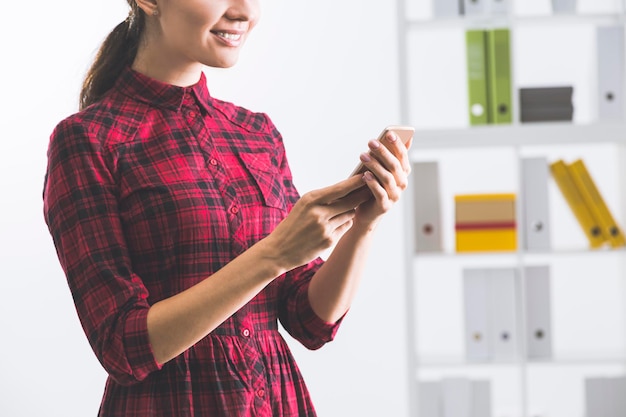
pixel 149 192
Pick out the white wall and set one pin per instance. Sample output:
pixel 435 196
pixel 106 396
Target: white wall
pixel 326 73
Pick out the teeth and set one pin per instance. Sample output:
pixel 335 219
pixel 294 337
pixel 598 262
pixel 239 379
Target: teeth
pixel 229 36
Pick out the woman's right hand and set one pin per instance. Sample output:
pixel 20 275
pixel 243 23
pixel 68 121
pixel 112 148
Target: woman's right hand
pixel 316 222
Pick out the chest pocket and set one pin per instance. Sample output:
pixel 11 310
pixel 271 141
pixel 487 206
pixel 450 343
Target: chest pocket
pixel 267 178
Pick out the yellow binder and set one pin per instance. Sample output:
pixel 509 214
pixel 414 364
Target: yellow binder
pixel 574 199
pixel 596 203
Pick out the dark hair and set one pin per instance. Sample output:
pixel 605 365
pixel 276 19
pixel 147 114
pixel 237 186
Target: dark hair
pixel 117 52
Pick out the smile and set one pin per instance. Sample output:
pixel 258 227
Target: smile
pixel 229 36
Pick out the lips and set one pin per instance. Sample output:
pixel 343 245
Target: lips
pixel 230 38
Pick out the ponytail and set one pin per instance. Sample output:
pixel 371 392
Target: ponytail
pixel 117 52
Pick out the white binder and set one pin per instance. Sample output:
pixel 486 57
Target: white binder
pixel 429 399
pixel 427 206
pixel 474 7
pixel 535 204
pixel 564 6
pixel 538 311
pixel 499 6
pixel 597 397
pixel 610 50
pixel 618 396
pixel 481 398
pixel 476 292
pixel 446 8
pixel 457 397
pixel 504 334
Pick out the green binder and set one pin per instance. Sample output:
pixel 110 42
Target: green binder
pixel 477 77
pixel 499 57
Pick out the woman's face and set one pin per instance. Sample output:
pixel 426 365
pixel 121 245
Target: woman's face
pixel 210 32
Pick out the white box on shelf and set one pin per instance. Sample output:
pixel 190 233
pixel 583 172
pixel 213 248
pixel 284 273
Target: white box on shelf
pixel 474 7
pixel 446 8
pixel 481 398
pixel 598 397
pixel 430 399
pixel 501 7
pixel 427 206
pixel 457 397
pixel 538 311
pixel 564 6
pixel 610 49
pixel 504 333
pixel 476 292
pixel 535 204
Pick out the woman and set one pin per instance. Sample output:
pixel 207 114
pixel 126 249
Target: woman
pixel 181 234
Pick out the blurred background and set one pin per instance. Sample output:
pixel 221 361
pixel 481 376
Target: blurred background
pixel 325 72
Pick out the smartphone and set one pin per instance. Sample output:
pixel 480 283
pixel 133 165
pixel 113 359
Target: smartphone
pixel 405 133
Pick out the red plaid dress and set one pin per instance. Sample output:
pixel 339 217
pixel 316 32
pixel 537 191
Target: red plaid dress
pixel 150 191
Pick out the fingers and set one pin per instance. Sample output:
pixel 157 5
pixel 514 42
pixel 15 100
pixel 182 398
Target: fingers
pixel 393 143
pixel 390 170
pixel 336 191
pixel 350 201
pixel 379 193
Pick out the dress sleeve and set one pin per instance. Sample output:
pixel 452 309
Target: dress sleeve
pixel 80 209
pixel 295 311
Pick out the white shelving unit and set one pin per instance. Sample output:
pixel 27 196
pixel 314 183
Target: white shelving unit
pixel 583 278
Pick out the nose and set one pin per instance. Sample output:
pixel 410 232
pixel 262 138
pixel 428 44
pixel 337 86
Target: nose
pixel 244 10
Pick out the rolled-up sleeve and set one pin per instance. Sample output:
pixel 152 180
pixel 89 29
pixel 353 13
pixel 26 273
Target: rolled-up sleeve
pixel 80 208
pixel 295 312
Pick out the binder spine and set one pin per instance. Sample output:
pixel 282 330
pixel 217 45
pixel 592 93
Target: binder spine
pixel 610 50
pixel 427 206
pixel 538 311
pixel 574 199
pixel 595 202
pixel 446 8
pixel 499 72
pixel 536 210
pixel 477 77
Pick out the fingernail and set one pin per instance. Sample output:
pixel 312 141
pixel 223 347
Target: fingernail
pixel 374 144
pixel 365 157
pixel 367 176
pixel 391 137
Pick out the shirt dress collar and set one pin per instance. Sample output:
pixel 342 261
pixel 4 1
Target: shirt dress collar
pixel 159 94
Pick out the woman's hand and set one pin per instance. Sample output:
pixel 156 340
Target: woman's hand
pixel 386 177
pixel 317 221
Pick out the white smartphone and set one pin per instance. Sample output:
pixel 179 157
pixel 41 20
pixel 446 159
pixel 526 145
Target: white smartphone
pixel 405 133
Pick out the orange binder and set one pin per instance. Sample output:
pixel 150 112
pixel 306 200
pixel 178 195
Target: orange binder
pixel 593 231
pixel 596 203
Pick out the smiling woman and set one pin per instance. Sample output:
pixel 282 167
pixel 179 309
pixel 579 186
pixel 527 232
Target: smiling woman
pixel 176 39
pixel 181 234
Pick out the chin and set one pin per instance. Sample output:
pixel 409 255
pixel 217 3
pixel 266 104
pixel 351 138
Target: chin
pixel 223 62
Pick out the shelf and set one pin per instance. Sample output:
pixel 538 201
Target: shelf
pixel 555 252
pixel 515 20
pixel 583 281
pixel 559 360
pixel 530 134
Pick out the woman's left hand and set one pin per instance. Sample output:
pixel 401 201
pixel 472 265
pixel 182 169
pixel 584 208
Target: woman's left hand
pixel 386 177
